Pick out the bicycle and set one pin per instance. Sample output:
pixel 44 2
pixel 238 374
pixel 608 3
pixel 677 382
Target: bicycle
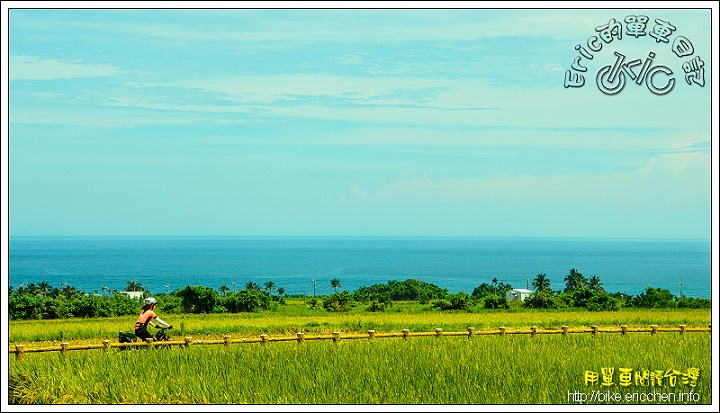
pixel 161 335
pixel 611 79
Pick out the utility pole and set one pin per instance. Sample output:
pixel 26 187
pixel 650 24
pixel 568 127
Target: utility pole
pixel 680 288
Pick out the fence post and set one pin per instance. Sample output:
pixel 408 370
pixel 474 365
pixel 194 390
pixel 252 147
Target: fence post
pixel 336 337
pixel 187 341
pixel 470 332
pixel 565 330
pixel 106 344
pixel 301 337
pixel 438 332
pixel 19 352
pixel 533 331
pixel 405 332
pixel 371 335
pixel 502 331
pixel 594 330
pixel 64 348
pixel 682 329
pixel 227 341
pixel 264 338
pixel 654 328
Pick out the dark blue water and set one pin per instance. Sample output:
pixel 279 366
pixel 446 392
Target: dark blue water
pixel 164 264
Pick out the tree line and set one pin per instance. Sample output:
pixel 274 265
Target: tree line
pixel 42 301
pixel 582 292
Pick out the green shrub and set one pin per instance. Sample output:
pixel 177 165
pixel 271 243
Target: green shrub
pixel 687 302
pixel 26 307
pixel 654 298
pixel 338 302
pixel 457 301
pixel 485 289
pixel 219 309
pixel 493 301
pixel 602 302
pixel 376 306
pixel 580 297
pixel 197 299
pixel 169 304
pixel 540 300
pixel 247 301
pixel 411 289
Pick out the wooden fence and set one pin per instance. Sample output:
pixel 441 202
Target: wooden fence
pixel 336 336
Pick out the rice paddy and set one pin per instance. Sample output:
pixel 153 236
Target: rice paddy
pixel 485 369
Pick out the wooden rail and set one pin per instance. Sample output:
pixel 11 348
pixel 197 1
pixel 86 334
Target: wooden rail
pixel 371 335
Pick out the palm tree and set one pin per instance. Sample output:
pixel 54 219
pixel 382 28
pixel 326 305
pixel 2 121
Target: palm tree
pixel 281 291
pixel 68 291
pixel 541 283
pixel 335 283
pixel 223 289
pixel 44 288
pixel 252 286
pixel 495 285
pixel 574 281
pixel 134 285
pixel 270 286
pixel 595 284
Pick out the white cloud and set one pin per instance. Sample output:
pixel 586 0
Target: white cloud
pixel 672 178
pixel 455 101
pixel 274 28
pixel 31 67
pixel 553 67
pixel 675 166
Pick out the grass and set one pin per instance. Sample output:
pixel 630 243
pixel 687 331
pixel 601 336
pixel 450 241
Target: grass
pixel 512 369
pixel 422 370
pixel 295 317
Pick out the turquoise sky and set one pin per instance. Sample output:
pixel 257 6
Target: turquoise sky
pixel 353 122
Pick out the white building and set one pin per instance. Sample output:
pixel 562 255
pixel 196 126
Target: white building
pixel 517 294
pixel 138 295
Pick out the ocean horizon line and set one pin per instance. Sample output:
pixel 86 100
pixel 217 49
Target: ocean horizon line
pixel 368 237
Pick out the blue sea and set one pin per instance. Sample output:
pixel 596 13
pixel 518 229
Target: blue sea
pixel 305 265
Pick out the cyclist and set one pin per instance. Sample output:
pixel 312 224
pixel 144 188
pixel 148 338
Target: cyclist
pixel 146 317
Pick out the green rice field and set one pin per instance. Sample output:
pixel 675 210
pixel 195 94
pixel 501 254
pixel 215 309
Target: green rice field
pixel 639 368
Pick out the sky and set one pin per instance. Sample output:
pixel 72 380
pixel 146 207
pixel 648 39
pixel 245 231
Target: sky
pixel 359 122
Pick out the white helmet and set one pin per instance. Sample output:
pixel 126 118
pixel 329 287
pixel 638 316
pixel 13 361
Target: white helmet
pixel 150 300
